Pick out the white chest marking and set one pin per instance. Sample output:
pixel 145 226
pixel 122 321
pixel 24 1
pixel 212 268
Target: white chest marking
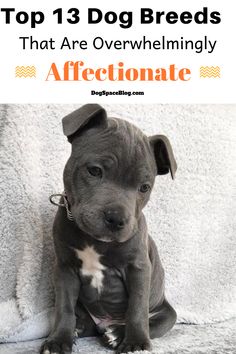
pixel 91 266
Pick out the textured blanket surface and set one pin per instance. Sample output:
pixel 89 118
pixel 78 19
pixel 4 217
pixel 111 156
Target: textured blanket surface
pixel 217 338
pixel 192 219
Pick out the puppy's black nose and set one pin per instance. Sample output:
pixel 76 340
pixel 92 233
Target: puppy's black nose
pixel 114 219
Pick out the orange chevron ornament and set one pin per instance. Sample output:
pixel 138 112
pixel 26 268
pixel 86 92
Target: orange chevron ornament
pixel 210 72
pixel 25 71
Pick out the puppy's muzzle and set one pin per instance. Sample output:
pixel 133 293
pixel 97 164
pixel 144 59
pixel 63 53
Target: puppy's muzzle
pixel 115 218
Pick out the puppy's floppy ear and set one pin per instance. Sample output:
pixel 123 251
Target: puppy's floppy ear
pixel 89 115
pixel 164 156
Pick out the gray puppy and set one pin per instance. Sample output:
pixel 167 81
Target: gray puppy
pixel 109 280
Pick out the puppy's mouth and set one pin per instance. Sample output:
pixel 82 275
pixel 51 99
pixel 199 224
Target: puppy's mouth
pixel 104 234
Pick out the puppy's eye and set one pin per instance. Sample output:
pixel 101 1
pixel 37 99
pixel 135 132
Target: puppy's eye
pixel 144 188
pixel 95 171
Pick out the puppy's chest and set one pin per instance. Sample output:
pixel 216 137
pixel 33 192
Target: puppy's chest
pixel 98 278
pixel 91 269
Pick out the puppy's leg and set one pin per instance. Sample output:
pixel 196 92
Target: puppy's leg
pixel 162 320
pixel 67 290
pixel 137 325
pixel 113 336
pixel 85 326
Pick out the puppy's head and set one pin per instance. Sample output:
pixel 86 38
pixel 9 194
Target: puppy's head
pixel 110 173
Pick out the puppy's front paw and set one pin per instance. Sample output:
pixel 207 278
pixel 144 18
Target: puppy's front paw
pixel 56 346
pixel 132 345
pixel 113 336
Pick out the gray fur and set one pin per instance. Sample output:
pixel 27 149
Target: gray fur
pixel 123 282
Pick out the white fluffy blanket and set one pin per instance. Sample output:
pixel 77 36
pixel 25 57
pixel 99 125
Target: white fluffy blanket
pixel 192 219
